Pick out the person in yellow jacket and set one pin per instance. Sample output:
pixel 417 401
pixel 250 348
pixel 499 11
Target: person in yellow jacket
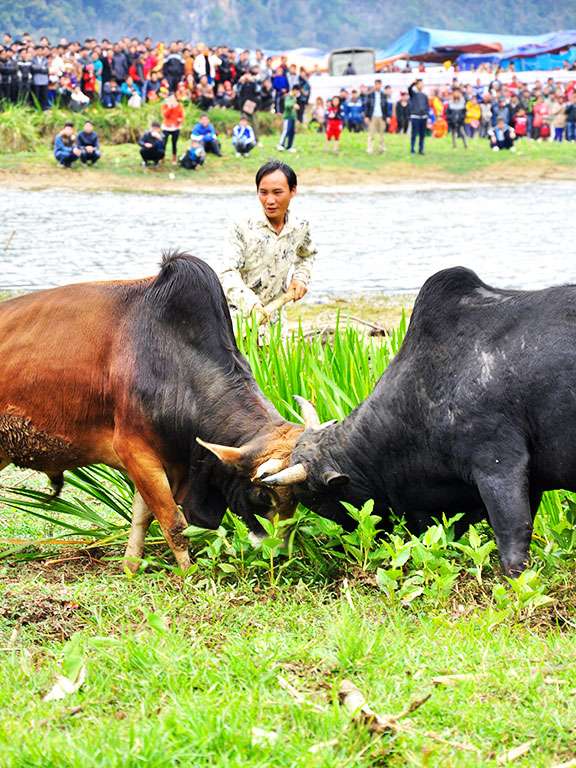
pixel 473 116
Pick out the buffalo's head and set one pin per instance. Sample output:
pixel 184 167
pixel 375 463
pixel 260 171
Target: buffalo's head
pixel 283 469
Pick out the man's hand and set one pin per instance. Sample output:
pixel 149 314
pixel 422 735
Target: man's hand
pixel 297 289
pixel 260 314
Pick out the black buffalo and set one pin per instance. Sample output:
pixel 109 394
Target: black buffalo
pixel 476 414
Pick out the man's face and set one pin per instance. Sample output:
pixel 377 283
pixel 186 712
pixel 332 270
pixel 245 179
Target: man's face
pixel 377 85
pixel 204 120
pixel 88 127
pixel 275 195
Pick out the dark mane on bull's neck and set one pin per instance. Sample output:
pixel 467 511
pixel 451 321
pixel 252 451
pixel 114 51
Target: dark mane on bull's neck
pixel 188 290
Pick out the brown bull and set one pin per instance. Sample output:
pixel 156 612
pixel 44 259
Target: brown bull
pixel 130 374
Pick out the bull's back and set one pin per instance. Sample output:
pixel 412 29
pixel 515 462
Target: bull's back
pixel 56 389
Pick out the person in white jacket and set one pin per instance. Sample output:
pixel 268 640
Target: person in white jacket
pixel 270 255
pixel 243 138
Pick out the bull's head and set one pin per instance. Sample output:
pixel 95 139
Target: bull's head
pixel 277 482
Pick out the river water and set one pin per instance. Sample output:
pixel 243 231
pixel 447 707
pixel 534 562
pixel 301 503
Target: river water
pixel 368 241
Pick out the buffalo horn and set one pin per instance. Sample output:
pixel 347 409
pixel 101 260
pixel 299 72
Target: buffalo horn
pixel 311 419
pixel 288 476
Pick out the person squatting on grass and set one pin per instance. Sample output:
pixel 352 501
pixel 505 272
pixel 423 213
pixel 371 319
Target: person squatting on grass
pixel 205 132
pixel 243 137
pixel 152 145
pixel 270 254
pixel 88 144
pixel 501 136
pixel 194 155
pixel 334 123
pixel 65 150
pixel 289 121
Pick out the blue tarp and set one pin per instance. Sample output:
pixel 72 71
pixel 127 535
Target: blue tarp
pixel 419 40
pixel 530 57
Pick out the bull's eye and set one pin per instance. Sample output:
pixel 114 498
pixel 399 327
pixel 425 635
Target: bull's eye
pixel 260 497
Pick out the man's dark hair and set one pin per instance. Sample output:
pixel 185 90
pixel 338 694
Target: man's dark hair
pixel 277 165
pixel 68 124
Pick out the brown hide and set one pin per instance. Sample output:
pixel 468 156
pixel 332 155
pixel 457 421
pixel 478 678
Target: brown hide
pixel 60 369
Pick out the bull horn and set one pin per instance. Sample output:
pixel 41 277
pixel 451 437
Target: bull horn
pixel 311 418
pixel 268 468
pixel 227 454
pixel 288 476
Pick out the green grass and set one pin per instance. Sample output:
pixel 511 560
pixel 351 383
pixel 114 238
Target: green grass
pixel 120 167
pixel 179 671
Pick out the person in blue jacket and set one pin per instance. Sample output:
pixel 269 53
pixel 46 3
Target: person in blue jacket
pixel 65 150
pixel 88 144
pixel 205 132
pixel 354 113
pixel 243 137
pixel 281 87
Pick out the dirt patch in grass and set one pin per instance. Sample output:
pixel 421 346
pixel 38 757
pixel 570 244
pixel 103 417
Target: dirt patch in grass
pixel 53 616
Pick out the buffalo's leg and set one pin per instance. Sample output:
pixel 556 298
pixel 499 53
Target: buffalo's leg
pixel 57 483
pixel 149 477
pixel 142 516
pixel 507 500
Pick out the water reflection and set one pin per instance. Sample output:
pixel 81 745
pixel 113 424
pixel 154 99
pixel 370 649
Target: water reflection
pixel 383 241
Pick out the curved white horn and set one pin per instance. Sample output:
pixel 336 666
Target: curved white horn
pixel 288 476
pixel 311 419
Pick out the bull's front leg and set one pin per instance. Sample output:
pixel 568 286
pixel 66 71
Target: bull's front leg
pixel 146 470
pixel 142 516
pixel 504 489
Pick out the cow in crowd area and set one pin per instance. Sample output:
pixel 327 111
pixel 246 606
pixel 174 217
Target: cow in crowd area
pixel 130 374
pixel 476 414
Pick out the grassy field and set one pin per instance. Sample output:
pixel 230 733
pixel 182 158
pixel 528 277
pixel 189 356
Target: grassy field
pixel 120 169
pixel 242 661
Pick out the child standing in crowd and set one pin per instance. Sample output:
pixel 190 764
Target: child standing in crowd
pixel 318 114
pixel 243 138
pixel 172 119
pixel 473 116
pixel 334 122
pixel 289 121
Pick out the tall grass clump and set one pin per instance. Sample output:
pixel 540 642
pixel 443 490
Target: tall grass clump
pixel 22 128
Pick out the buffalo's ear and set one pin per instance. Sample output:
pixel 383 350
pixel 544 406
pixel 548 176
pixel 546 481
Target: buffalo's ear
pixel 334 479
pixel 227 454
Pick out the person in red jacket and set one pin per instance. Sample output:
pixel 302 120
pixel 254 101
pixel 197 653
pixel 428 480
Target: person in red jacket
pixel 172 119
pixel 334 122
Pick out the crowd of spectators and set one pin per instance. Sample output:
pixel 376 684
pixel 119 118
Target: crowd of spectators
pixel 135 71
pixel 544 110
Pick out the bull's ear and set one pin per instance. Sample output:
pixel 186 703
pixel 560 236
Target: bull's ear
pixel 227 454
pixel 334 479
